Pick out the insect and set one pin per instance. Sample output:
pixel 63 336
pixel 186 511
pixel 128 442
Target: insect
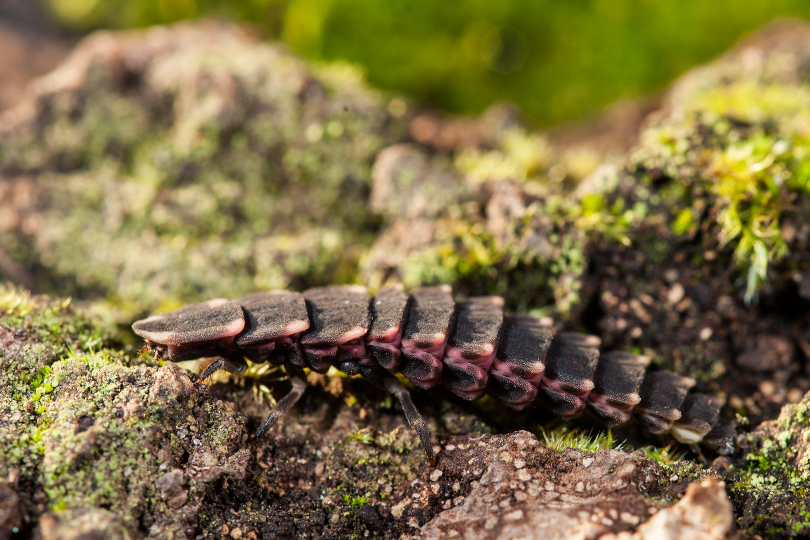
pixel 471 348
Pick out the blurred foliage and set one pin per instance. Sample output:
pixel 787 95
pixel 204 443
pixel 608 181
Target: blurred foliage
pixel 555 60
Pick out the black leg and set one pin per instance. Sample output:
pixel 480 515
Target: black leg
pixel 391 384
pixel 299 384
pixel 237 367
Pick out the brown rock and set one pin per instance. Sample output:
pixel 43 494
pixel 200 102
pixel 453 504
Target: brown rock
pixel 704 513
pixel 771 353
pixel 171 382
pixel 171 489
pixel 23 56
pixel 407 183
pixel 530 491
pixel 10 518
pixel 82 524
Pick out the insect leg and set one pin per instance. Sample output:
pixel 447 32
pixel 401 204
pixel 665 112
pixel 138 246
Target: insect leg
pixel 299 384
pixel 385 380
pixel 237 367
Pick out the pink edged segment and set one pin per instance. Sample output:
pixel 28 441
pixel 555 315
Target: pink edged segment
pixel 421 368
pixel 271 315
pixel 529 371
pixel 463 378
pixel 568 379
pixel 612 415
pixel 514 391
pixel 389 309
pixel 352 350
pixel 387 355
pixel 337 314
pixel 430 317
pixel 320 359
pixel 193 325
pixel 563 402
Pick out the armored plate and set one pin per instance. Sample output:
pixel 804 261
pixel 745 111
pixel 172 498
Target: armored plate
pixel 320 360
pixel 721 437
pixel 662 395
pixel 337 314
pixel 388 311
pixel 617 382
pixel 430 316
pixel 571 361
pixel 699 413
pixel 477 328
pixel 422 368
pixel 271 315
pixel 618 377
pixel 201 323
pixel 513 391
pixel 524 347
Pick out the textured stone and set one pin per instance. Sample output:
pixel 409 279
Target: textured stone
pixel 704 513
pixel 529 491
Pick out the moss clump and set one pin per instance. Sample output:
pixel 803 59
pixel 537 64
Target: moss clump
pixel 560 438
pixel 746 183
pixel 84 429
pixel 772 485
pixel 37 335
pixel 193 175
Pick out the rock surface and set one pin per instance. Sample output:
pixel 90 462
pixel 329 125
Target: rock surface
pixel 183 163
pixel 529 491
pixel 704 513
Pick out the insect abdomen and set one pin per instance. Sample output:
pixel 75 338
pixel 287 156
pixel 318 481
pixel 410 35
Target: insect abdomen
pixel 470 348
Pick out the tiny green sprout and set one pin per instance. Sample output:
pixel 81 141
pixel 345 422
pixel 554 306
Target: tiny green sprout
pixel 560 438
pixel 684 222
pixel 387 403
pixel 364 435
pixel 15 301
pixel 665 456
pixel 360 501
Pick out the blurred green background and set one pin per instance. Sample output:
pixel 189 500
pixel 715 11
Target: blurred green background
pixel 557 60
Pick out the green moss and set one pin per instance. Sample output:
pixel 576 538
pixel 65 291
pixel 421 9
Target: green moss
pixel 154 195
pixel 737 160
pixel 665 456
pixel 756 179
pixel 776 473
pixel 560 438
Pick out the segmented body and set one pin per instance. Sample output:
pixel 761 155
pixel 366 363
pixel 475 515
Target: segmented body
pixel 471 348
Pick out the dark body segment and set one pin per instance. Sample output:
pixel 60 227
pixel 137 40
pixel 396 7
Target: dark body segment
pixel 271 315
pixel 430 317
pixel 568 379
pixel 339 319
pixel 470 348
pixel 662 395
pixel 272 321
pixel 520 360
pixel 699 413
pixel 617 382
pixel 389 307
pixel 721 437
pixel 472 345
pixel 193 331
